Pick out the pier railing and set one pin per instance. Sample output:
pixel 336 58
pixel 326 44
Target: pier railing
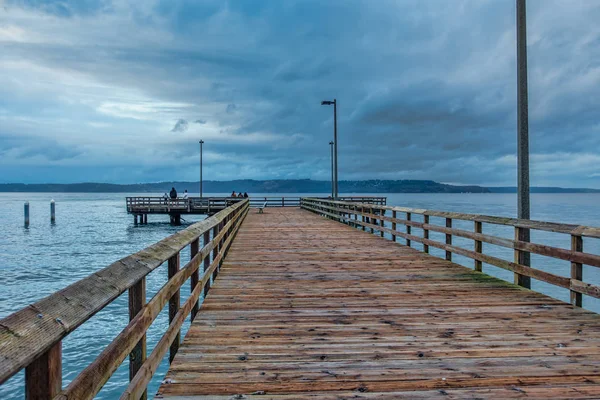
pixel 285 201
pixel 31 338
pixel 153 205
pixel 271 201
pixel 373 217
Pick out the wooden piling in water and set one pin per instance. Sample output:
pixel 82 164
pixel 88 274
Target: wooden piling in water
pixel 52 211
pixel 26 214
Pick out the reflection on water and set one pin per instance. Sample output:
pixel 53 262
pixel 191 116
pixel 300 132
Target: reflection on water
pixel 93 230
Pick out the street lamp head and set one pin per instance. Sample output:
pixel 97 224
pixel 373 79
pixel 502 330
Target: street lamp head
pixel 331 142
pixel 201 142
pixel 326 103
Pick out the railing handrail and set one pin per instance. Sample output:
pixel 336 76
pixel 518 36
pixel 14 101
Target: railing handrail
pixel 344 211
pixel 31 332
pixel 571 229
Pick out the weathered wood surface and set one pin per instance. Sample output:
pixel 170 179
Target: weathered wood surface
pixel 30 333
pixel 306 307
pixel 525 272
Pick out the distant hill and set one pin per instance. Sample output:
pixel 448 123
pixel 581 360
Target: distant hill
pixel 278 186
pixel 252 186
pixel 543 189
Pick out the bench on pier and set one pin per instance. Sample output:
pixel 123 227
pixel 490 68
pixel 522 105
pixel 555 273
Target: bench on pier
pixel 262 208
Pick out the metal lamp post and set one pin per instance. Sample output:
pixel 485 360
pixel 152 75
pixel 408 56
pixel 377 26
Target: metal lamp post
pixel 335 141
pixel 201 143
pixel 522 139
pixel 332 184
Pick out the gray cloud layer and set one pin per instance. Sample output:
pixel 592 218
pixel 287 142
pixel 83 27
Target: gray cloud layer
pixel 426 89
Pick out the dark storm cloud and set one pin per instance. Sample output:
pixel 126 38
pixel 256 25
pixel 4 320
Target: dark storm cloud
pixel 426 89
pixel 180 126
pixel 26 147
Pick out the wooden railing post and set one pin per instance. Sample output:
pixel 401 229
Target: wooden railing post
pixel 408 228
pixel 205 241
pixel 194 247
pixel 478 246
pixel 43 377
pixel 381 222
pixel 137 300
pixel 394 225
pixel 364 219
pixel 174 304
pixel 576 270
pixel 215 252
pixel 522 257
pixel 448 239
pixel 425 233
pixel 374 221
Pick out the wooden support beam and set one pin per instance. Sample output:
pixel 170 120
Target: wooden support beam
pixel 194 247
pixel 408 228
pixel 426 233
pixel 522 257
pixel 364 219
pixel 174 304
pixel 137 300
pixel 374 222
pixel 43 377
pixel 478 246
pixel 216 231
pixel 576 270
pixel 448 239
pixel 394 225
pixel 382 222
pixel 205 241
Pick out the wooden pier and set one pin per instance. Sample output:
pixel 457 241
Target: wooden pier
pixel 311 302
pixel 309 308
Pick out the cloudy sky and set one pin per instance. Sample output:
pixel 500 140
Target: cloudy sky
pixel 121 91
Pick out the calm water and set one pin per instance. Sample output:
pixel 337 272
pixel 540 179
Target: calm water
pixel 93 230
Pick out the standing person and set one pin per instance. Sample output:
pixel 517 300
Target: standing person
pixel 185 194
pixel 240 194
pixel 245 195
pixel 165 197
pixel 173 193
pixel 232 194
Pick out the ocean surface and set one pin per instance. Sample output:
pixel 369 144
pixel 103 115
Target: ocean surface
pixel 92 230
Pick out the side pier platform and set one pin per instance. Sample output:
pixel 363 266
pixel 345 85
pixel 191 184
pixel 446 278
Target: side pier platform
pixel 141 206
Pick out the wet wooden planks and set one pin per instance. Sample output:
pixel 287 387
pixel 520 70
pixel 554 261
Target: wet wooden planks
pixel 308 308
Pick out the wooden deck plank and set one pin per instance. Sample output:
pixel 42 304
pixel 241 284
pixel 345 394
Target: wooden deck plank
pixel 307 308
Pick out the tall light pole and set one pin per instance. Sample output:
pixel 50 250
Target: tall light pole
pixel 522 138
pixel 335 141
pixel 332 184
pixel 201 143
